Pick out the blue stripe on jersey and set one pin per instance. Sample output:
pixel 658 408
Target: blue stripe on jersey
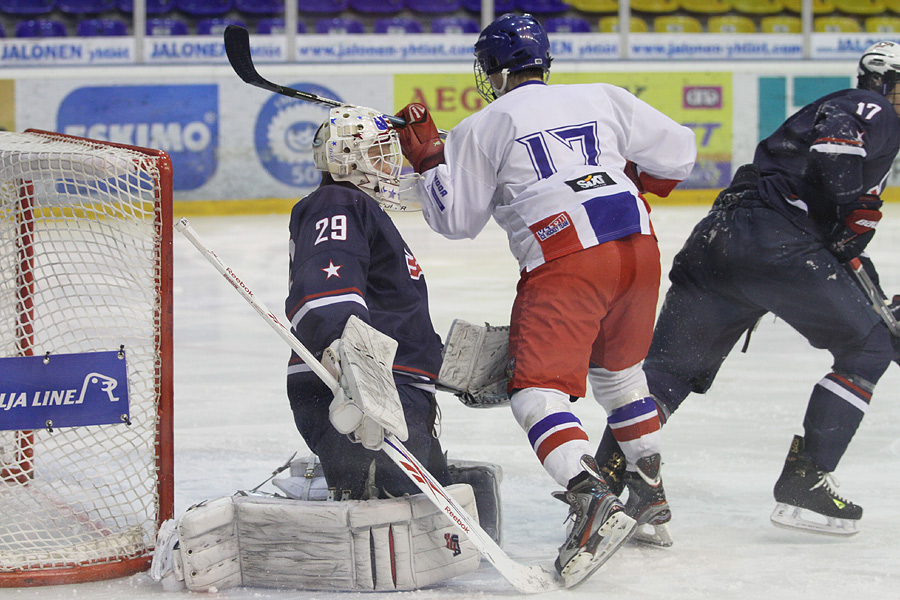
pixel 613 217
pixel 632 410
pixel 548 423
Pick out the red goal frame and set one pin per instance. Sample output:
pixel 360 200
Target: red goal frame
pixel 22 470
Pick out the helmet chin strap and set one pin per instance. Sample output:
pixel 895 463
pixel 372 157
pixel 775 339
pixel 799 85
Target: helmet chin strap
pixel 502 89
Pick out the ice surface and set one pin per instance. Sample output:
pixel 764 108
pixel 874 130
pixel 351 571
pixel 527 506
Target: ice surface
pixel 722 451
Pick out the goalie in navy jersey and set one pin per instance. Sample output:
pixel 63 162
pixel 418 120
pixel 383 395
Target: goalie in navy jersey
pixel 347 258
pixel 779 240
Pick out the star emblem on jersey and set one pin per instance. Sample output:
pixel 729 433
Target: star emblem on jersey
pixel 332 270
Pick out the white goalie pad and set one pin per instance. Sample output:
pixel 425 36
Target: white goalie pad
pixel 395 544
pixel 368 400
pixel 307 482
pixel 474 364
pixel 485 479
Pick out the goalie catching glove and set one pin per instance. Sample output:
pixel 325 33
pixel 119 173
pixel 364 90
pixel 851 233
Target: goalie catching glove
pixel 366 402
pixel 856 229
pixel 419 138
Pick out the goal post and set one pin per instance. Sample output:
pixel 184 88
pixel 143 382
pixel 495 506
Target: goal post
pixel 86 464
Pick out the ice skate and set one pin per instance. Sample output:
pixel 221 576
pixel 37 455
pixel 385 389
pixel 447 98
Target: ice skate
pixel 647 502
pixel 806 499
pixel 613 471
pixel 599 525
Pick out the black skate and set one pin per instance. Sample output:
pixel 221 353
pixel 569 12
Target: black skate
pixel 804 491
pixel 613 471
pixel 598 527
pixel 647 502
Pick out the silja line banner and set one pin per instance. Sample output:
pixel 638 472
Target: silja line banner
pixel 63 390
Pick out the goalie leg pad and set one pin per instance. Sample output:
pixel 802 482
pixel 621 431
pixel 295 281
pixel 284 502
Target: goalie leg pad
pixel 396 544
pixel 306 481
pixel 485 479
pixel 211 558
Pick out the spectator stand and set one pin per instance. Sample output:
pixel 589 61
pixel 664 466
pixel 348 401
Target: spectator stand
pixel 207 17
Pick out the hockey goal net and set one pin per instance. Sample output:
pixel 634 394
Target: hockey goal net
pixel 85 270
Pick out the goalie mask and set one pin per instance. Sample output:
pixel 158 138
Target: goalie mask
pixel 356 144
pixel 879 71
pixel 509 45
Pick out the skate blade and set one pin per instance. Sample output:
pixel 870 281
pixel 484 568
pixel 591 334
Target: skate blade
pixel 613 534
pixel 653 535
pixel 787 516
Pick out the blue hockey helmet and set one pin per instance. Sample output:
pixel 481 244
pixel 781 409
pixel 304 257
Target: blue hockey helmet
pixel 509 45
pixel 879 68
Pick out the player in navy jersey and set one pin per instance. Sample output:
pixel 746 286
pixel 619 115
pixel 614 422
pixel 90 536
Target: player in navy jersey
pixel 562 168
pixel 347 258
pixel 778 240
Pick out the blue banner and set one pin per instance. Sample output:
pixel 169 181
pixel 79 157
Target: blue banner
pixel 182 120
pixel 63 390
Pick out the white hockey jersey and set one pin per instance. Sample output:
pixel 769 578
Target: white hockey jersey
pixel 548 163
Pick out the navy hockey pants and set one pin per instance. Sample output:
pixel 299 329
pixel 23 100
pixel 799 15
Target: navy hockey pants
pixel 346 464
pixel 740 262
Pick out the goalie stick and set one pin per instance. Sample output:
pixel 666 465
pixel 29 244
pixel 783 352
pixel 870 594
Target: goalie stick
pixel 237 47
pixel 875 296
pixel 526 579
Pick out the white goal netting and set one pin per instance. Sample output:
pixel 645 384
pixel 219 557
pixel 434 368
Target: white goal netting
pixel 85 266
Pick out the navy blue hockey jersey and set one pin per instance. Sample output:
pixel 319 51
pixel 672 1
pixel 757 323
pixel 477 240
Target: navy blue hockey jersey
pixel 828 154
pixel 347 258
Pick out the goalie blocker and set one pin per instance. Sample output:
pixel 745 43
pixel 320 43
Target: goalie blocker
pixel 353 545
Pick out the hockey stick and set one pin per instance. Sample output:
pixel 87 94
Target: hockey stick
pixel 526 579
pixel 237 47
pixel 875 296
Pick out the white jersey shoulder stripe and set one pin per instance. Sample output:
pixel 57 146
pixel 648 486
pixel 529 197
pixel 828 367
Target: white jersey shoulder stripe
pixel 326 301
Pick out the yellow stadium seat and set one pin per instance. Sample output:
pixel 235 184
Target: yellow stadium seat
pixel 595 6
pixel 860 7
pixel 836 24
pixel 758 7
pixel 654 6
pixel 820 7
pixel 882 24
pixel 730 24
pixel 893 5
pixel 611 25
pixel 677 24
pixel 780 24
pixel 708 7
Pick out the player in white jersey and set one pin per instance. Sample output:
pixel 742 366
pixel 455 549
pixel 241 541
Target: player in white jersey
pixel 562 169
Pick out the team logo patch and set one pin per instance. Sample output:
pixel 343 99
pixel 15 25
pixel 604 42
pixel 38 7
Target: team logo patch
pixel 415 271
pixel 452 540
pixel 555 226
pixel 590 182
pixel 418 112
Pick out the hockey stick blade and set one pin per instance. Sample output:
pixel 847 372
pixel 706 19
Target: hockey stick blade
pixel 526 579
pixel 237 48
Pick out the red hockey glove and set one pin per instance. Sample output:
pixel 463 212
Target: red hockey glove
pixel 648 183
pixel 422 145
pixel 851 235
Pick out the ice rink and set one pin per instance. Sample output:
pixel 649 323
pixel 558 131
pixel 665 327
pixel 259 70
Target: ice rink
pixel 722 451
